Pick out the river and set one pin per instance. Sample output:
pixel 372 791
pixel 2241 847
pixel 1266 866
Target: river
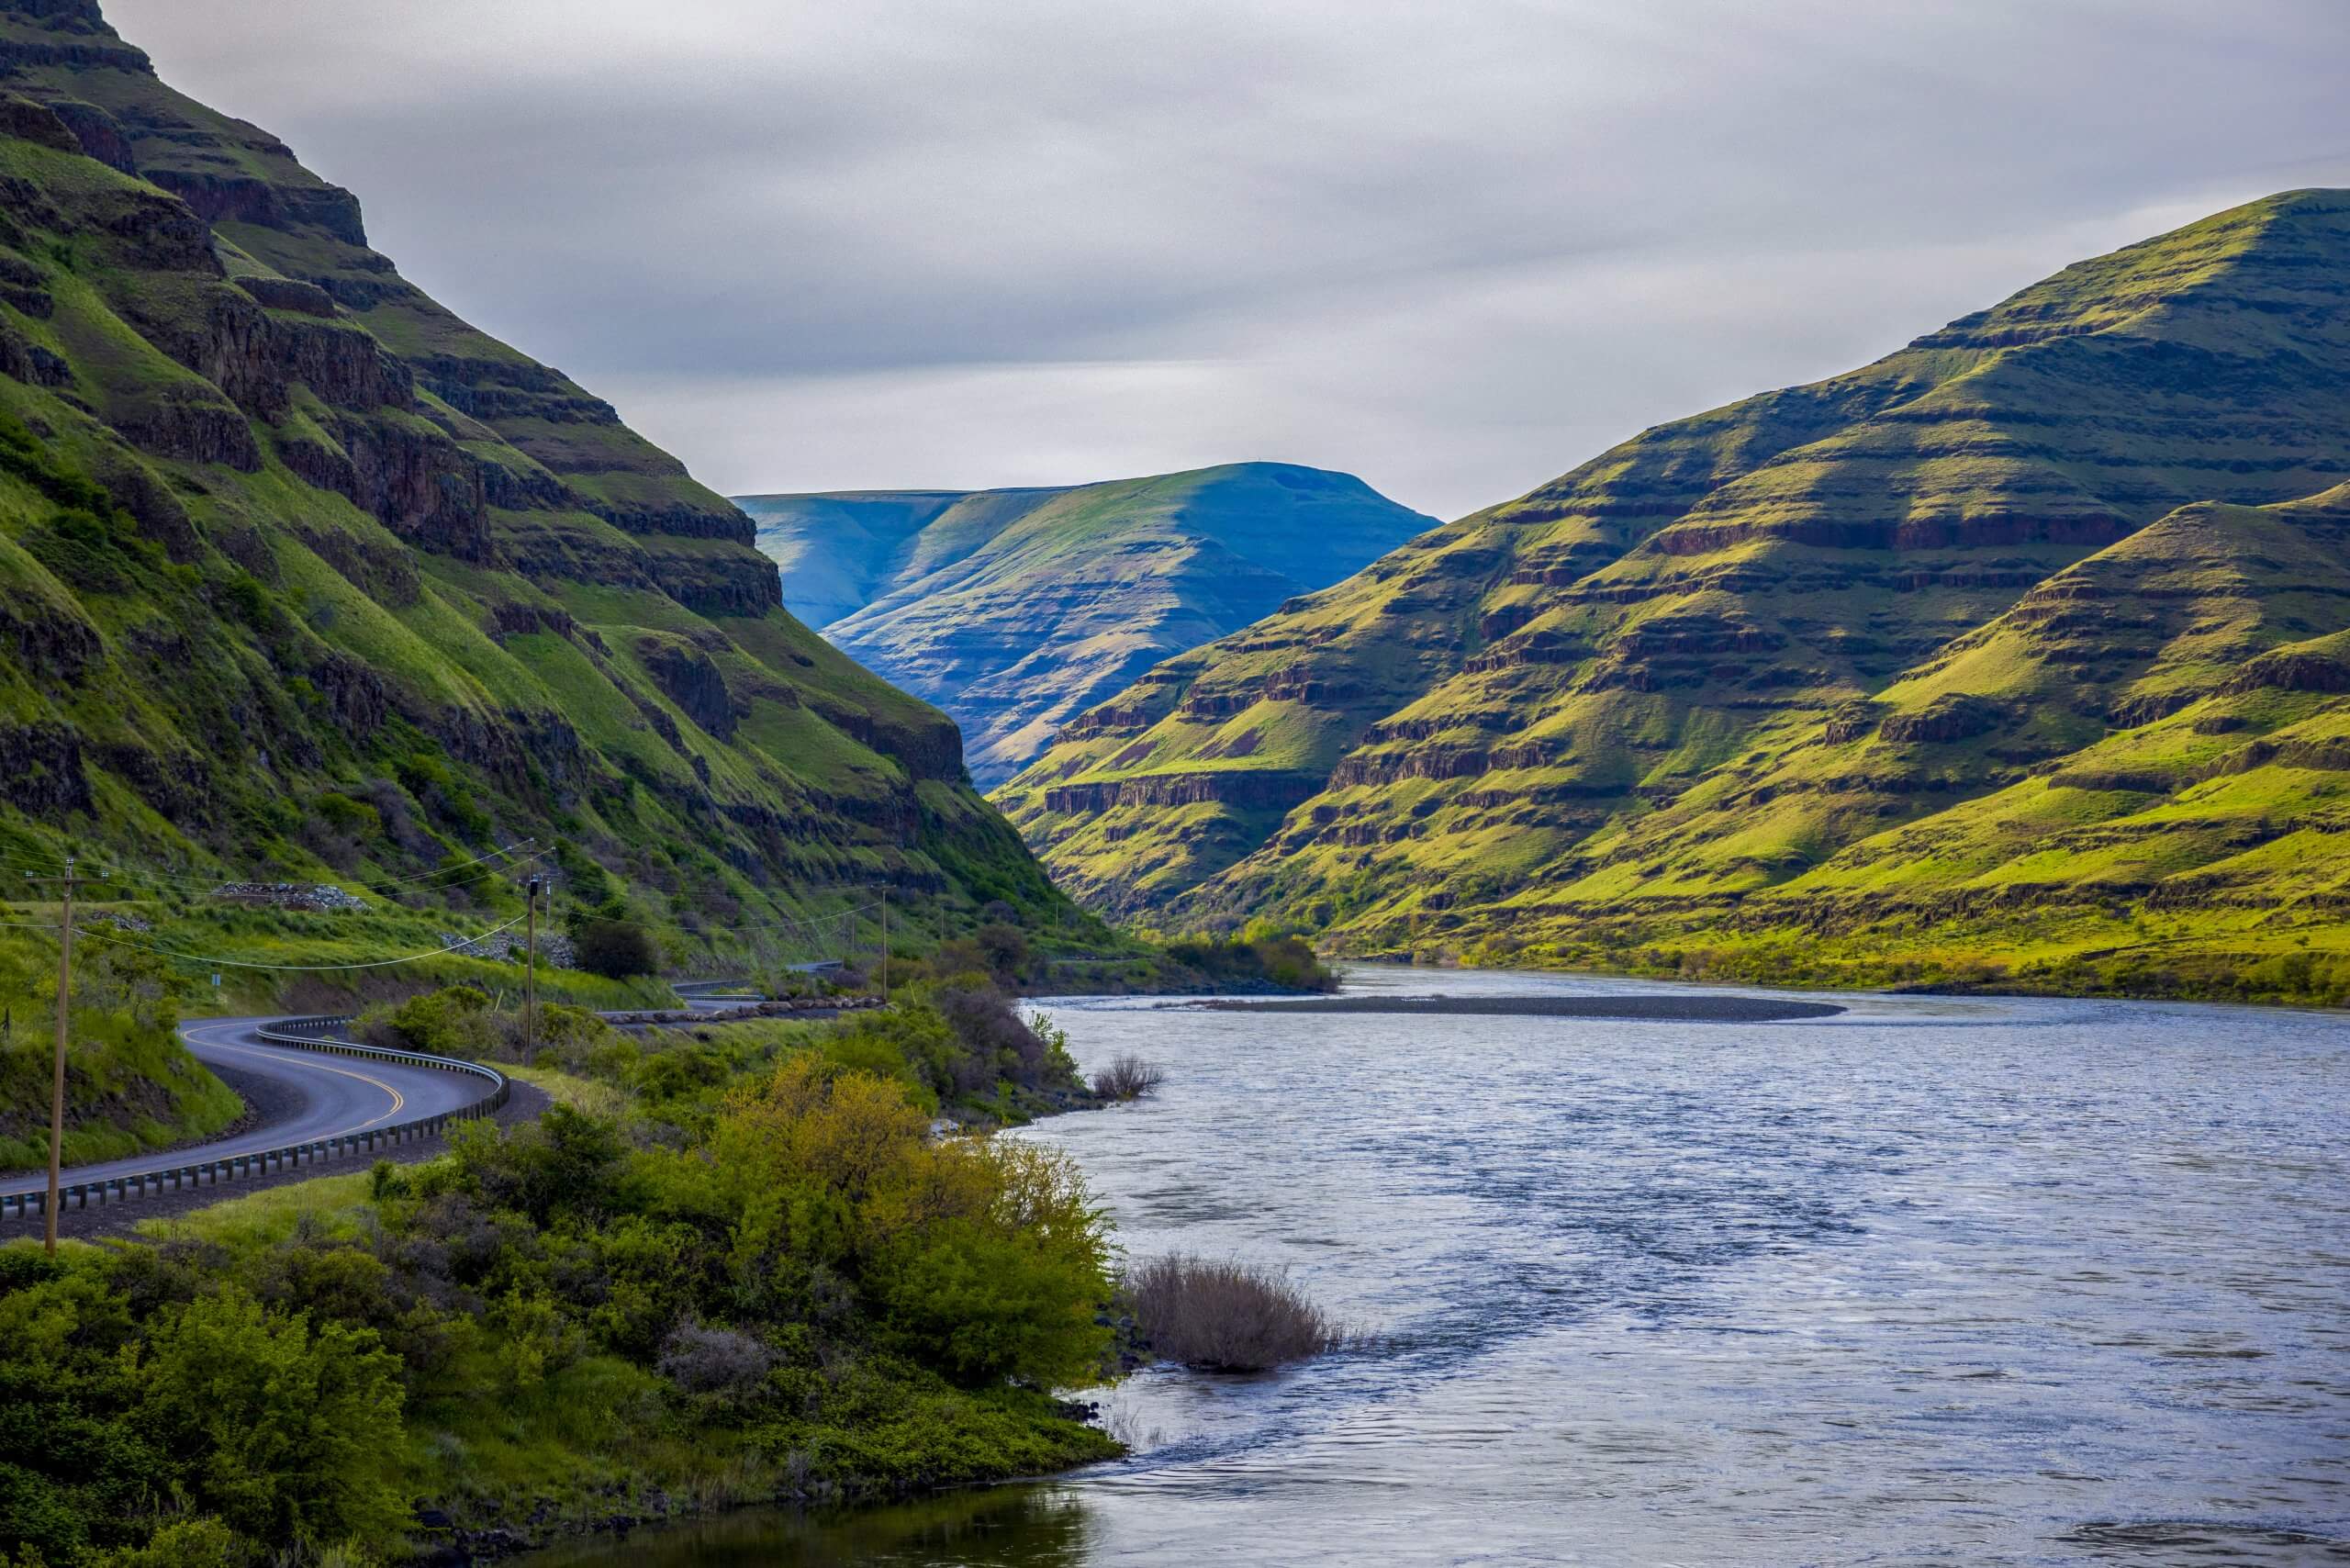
pixel 1937 1281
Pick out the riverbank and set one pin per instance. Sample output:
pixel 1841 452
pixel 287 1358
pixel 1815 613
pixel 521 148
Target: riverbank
pixel 1632 1007
pixel 2263 960
pixel 723 1266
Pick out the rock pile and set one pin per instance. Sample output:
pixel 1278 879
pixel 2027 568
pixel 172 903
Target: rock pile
pixel 505 946
pixel 780 1009
pixel 320 897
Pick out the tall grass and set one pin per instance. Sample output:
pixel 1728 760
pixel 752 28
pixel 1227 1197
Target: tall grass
pixel 1224 1315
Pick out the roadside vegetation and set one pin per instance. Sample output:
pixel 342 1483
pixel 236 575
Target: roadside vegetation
pixel 129 1085
pixel 728 1264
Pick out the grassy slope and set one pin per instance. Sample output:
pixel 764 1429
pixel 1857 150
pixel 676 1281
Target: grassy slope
pixel 333 545
pixel 129 1088
pixel 1595 718
pixel 1016 610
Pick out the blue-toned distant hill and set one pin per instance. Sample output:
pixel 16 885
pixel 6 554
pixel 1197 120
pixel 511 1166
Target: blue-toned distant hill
pixel 1016 610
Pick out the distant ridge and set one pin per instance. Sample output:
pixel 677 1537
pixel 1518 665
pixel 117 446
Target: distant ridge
pixel 1015 608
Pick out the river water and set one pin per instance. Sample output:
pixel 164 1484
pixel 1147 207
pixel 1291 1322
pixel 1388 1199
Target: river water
pixel 1939 1280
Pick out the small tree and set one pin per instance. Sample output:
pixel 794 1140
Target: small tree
pixel 295 1425
pixel 617 950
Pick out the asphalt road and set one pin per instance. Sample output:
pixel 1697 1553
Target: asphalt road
pixel 322 1096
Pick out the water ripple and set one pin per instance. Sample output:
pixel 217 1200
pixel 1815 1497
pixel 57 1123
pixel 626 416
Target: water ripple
pixel 1978 1281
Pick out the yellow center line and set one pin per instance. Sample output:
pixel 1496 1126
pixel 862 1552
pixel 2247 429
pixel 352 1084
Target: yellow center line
pixel 399 1099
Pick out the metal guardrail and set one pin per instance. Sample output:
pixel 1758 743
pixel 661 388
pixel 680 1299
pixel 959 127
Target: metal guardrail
pixel 309 1034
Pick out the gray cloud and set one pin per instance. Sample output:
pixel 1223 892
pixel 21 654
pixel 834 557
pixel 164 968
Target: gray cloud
pixel 1454 248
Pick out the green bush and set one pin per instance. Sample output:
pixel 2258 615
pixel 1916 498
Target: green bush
pixel 295 1423
pixel 346 815
pixel 184 1543
pixel 617 950
pixel 1256 958
pixel 454 1021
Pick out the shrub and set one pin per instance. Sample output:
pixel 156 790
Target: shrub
pixel 1224 1315
pixel 617 950
pixel 986 1258
pixel 1009 1287
pixel 702 1360
pixel 567 1036
pixel 1256 958
pixel 454 1021
pixel 345 816
pixel 1289 963
pixel 1001 1043
pixel 185 1543
pixel 565 1162
pixel 299 1424
pixel 1006 950
pixel 1128 1077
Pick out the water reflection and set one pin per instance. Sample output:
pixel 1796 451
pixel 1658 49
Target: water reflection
pixel 1013 1527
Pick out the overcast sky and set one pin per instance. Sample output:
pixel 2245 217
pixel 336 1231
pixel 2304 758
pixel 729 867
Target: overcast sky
pixel 1455 246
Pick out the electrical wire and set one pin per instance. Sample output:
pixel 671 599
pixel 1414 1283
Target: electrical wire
pixel 442 952
pixel 461 865
pixel 815 924
pixel 46 869
pixel 491 875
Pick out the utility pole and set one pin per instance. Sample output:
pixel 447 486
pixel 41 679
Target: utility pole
pixel 57 1085
pixel 531 969
pixel 885 941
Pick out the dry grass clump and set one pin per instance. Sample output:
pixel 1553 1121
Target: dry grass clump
pixel 1223 1314
pixel 1128 1078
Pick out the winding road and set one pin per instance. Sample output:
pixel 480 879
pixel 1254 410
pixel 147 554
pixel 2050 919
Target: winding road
pixel 323 1096
pixel 319 1103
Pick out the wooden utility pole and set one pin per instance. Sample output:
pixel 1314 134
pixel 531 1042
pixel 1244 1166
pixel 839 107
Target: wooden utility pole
pixel 57 1085
pixel 530 970
pixel 885 940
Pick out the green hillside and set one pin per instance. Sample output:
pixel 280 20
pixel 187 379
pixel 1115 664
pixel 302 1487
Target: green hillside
pixel 1016 609
pixel 303 576
pixel 1938 665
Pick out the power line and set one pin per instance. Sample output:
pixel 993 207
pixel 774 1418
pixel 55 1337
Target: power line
pixel 461 865
pixel 442 952
pixel 808 923
pixel 215 883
